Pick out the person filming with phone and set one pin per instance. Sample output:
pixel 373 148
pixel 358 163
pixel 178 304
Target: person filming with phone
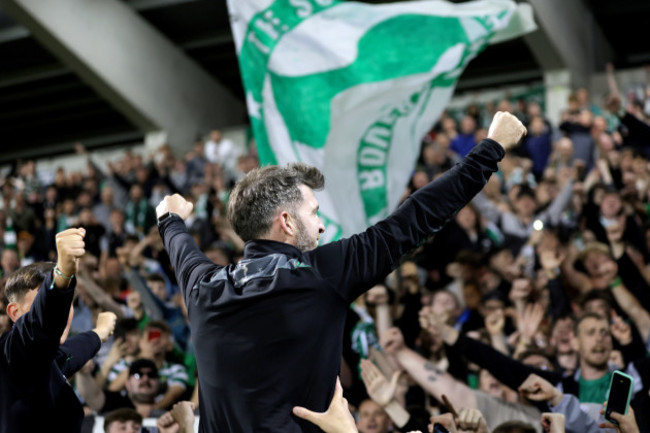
pixel 590 383
pixel 155 344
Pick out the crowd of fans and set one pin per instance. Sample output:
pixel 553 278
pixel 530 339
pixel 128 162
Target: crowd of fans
pixel 523 304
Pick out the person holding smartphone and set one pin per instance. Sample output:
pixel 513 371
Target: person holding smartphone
pixel 593 340
pixel 626 423
pixel 155 344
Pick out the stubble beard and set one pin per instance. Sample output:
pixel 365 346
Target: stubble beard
pixel 304 242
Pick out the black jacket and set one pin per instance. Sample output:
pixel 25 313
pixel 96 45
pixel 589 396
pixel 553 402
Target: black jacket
pixel 34 393
pixel 268 331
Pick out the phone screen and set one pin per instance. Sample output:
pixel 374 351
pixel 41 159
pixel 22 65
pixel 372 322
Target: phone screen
pixel 154 334
pixel 619 395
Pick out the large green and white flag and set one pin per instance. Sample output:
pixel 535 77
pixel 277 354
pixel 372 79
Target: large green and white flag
pixel 352 88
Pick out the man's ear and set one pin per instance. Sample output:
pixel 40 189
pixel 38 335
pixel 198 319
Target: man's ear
pixel 286 223
pixel 12 311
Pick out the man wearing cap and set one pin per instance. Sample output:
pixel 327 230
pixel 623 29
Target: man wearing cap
pixel 268 332
pixel 142 387
pixel 37 357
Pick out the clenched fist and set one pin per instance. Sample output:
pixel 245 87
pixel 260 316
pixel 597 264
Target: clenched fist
pixel 105 325
pixel 70 246
pixel 506 130
pixel 175 204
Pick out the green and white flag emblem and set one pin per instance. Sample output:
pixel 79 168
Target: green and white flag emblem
pixel 352 88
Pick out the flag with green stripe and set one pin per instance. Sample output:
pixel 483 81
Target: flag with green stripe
pixel 352 88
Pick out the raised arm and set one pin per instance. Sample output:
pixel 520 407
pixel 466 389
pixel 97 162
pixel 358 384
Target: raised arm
pixel 433 380
pixel 505 369
pixel 187 259
pixel 35 336
pixel 152 305
pixel 80 348
pixel 486 208
pixel 632 308
pixel 93 395
pixel 366 257
pixel 554 212
pixel 103 299
pixel 537 389
pixel 382 392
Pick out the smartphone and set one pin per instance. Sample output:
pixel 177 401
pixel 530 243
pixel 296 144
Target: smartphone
pixel 154 334
pixel 619 395
pixel 438 428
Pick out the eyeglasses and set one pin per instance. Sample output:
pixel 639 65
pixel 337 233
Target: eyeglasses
pixel 150 374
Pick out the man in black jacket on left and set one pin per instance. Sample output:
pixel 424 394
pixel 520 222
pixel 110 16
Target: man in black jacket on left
pixel 37 357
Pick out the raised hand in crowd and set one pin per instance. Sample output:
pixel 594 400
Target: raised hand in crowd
pixel 553 422
pixel 536 388
pixel 626 423
pixel 528 322
pixel 392 340
pixel 105 325
pixel 436 324
pixel 520 292
pixel 337 418
pixel 471 420
pixel 551 262
pixel 379 388
pixel 620 329
pixel 119 350
pixel 378 295
pixel 178 420
pixel 494 324
pixel 446 420
pixel 383 392
pixel 134 302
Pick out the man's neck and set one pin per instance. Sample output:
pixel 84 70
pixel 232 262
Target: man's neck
pixel 589 372
pixel 144 409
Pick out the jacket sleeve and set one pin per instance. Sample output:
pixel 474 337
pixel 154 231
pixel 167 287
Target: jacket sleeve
pixel 34 339
pixel 76 351
pixel 576 420
pixel 560 304
pixel 505 369
pixel 188 261
pixel 353 265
